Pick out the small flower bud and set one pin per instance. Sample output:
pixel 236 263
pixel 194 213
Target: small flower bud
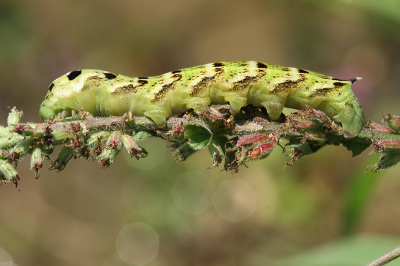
pixel 8 171
pixel 250 148
pixel 97 138
pixel 217 154
pixel 112 149
pixel 251 140
pixel 387 160
pixel 4 132
pixel 6 142
pixel 27 130
pixel 36 161
pixel 386 145
pixel 376 126
pixel 41 129
pixel 393 121
pixel 14 117
pixel 66 154
pixel 58 137
pixel 262 151
pixel 132 147
pixel 181 151
pixel 21 149
pixel 178 132
pixel 309 137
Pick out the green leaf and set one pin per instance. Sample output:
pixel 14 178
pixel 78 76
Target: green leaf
pixel 355 148
pixel 199 137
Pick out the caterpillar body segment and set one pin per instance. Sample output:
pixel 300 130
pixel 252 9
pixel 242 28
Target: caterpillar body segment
pixel 274 87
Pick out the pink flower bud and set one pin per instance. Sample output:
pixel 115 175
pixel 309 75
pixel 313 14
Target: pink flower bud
pixel 376 126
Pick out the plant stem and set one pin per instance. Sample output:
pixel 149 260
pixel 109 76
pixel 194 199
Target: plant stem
pixel 388 257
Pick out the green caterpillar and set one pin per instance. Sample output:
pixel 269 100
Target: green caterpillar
pixel 104 93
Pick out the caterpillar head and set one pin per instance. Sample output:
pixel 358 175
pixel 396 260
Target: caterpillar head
pixel 54 105
pixel 71 92
pixel 352 118
pixel 347 112
pixel 46 113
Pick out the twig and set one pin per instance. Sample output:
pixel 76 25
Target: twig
pixel 233 140
pixel 388 257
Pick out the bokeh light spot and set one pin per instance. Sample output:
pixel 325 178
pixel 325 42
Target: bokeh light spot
pixel 5 259
pixel 235 200
pixel 151 198
pixel 193 192
pixel 137 243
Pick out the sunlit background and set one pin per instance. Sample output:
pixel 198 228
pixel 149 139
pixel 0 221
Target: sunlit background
pixel 324 210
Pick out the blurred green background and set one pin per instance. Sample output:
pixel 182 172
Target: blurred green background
pixel 324 210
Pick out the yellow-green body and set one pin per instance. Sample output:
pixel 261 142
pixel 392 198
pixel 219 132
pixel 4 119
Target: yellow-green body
pixel 103 93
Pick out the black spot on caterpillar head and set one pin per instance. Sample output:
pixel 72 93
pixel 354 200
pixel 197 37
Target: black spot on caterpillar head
pixel 302 71
pixel 73 74
pixel 51 86
pixel 176 71
pixel 109 75
pixel 261 65
pixel 218 65
pixel 142 77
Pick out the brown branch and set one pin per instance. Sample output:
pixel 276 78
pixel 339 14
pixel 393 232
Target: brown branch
pixel 235 140
pixel 388 257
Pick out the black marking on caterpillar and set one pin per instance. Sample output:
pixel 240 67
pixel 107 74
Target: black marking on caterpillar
pixel 74 74
pixel 167 87
pixel 125 89
pixel 109 75
pixel 261 65
pixel 218 65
